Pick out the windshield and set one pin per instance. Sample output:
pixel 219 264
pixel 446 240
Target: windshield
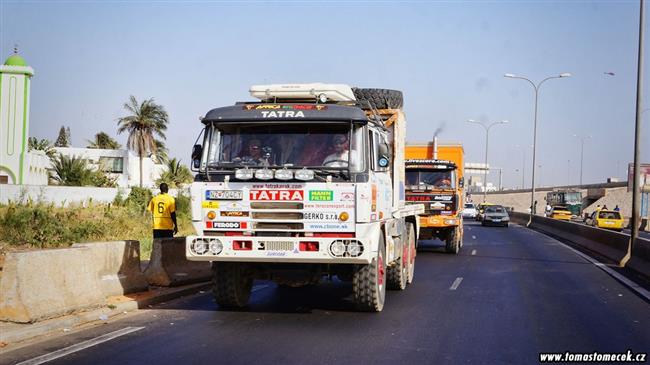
pixel 609 215
pixel 573 198
pixel 494 209
pixel 469 206
pixel 317 145
pixel 430 179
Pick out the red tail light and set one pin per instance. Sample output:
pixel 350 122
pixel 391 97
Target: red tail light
pixel 308 246
pixel 242 245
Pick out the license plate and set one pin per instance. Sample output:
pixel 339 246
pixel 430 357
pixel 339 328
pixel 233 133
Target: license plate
pixel 496 220
pixel 223 195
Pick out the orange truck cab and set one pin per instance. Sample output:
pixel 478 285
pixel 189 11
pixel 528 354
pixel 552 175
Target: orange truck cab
pixel 434 177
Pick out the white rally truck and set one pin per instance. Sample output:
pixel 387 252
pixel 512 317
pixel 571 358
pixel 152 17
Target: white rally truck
pixel 304 183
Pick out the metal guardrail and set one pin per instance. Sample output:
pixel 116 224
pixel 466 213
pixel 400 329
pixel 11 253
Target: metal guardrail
pixel 610 244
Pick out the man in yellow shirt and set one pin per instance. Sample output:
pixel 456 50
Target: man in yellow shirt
pixel 163 208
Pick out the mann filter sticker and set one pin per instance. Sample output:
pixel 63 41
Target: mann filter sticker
pixel 210 205
pixel 321 195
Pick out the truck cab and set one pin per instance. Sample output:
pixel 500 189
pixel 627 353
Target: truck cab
pixel 302 184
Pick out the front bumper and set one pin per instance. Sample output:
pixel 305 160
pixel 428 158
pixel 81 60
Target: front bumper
pixel 439 221
pixel 276 249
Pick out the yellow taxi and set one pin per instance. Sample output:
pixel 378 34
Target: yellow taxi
pixel 560 212
pixel 608 219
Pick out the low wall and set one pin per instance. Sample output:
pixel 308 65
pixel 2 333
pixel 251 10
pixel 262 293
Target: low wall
pixel 64 195
pixel 169 266
pixel 610 244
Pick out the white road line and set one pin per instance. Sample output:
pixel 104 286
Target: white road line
pixel 473 252
pixel 456 284
pixel 473 237
pixel 259 287
pixel 627 282
pixel 80 346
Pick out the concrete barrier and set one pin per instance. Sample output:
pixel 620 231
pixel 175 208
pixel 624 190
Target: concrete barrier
pixel 610 244
pixel 169 267
pixel 38 285
pixel 117 265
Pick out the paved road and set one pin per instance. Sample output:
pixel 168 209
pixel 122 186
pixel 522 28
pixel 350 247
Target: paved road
pixel 521 293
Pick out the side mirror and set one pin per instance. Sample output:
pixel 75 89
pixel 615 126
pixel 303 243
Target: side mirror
pixel 197 151
pixel 461 182
pixel 384 155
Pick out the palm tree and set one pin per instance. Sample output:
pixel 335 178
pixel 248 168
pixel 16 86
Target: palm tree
pixel 176 174
pixel 44 145
pixel 70 171
pixel 145 120
pixel 104 141
pixel 161 151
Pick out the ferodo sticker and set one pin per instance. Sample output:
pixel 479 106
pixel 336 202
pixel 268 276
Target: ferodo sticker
pixel 288 195
pixel 321 195
pixel 210 205
pixel 231 213
pixel 228 225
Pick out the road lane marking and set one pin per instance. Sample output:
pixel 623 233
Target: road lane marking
pixel 259 287
pixel 456 283
pixel 80 346
pixel 473 237
pixel 473 252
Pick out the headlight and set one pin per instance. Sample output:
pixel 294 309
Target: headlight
pixel 264 174
pixel 450 221
pixel 284 174
pixel 216 247
pixel 200 246
pixel 304 175
pixel 355 249
pixel 337 248
pixel 243 174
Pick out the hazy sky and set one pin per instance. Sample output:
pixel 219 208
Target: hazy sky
pixel 448 57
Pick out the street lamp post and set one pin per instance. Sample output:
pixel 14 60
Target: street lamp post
pixel 536 88
pixel 487 140
pixel 582 152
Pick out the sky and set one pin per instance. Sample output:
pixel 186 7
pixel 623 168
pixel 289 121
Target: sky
pixel 448 58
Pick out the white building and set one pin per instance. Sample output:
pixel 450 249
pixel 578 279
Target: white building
pixel 123 165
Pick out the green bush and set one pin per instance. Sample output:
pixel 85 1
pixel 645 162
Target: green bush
pixel 183 204
pixel 139 198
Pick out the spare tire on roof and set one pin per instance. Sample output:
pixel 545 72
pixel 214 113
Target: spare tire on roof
pixel 379 98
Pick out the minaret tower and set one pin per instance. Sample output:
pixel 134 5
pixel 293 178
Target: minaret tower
pixel 15 78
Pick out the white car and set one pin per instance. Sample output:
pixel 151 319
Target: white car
pixel 469 211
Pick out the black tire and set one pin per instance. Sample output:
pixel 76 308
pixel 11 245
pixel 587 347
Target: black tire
pixel 452 243
pixel 410 234
pixel 368 282
pixel 231 284
pixel 379 98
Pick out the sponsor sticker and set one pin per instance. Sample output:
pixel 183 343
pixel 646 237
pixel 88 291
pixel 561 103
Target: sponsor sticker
pixel 223 195
pixel 230 213
pixel 283 195
pixel 227 225
pixel 210 205
pixel 321 195
pixel 320 216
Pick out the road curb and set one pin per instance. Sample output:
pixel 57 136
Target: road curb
pixel 14 333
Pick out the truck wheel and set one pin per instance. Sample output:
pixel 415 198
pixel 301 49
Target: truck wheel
pixel 379 98
pixel 368 282
pixel 453 242
pixel 398 274
pixel 231 285
pixel 410 233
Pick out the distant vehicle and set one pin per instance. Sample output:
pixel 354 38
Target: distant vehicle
pixel 495 215
pixel 481 208
pixel 608 219
pixel 572 200
pixel 469 211
pixel 560 212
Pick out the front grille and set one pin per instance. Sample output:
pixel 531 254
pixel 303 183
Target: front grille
pixel 276 215
pixel 283 226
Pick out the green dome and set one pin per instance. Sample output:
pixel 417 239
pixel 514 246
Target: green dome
pixel 15 60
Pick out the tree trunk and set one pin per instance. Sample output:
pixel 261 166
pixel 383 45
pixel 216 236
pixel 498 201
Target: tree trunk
pixel 140 170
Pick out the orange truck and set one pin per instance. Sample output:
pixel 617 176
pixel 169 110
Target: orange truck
pixel 434 177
